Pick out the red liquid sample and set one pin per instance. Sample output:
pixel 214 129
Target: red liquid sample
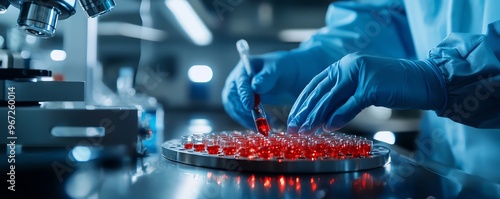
pixel 321 149
pixel 244 152
pixel 344 149
pixel 276 149
pixel 291 153
pixel 256 100
pixel 262 126
pixel 353 150
pixel 188 145
pixel 311 153
pixel 199 147
pixel 213 149
pixel 333 151
pixel 265 152
pixel 364 149
pixel 229 150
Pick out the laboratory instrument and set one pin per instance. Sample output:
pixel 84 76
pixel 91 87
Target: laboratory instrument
pixel 39 17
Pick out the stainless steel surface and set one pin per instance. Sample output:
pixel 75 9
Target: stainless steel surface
pixel 94 8
pixel 173 150
pixel 37 19
pixel 33 126
pixel 43 91
pixel 155 177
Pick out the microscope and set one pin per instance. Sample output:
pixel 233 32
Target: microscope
pixel 36 112
pixel 39 17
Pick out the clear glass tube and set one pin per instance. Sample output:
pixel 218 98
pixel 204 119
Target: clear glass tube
pixel 260 119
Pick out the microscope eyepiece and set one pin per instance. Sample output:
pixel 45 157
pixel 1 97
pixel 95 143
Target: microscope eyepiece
pixel 94 8
pixel 39 17
pixel 38 20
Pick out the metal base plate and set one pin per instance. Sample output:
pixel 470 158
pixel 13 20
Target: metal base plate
pixel 173 150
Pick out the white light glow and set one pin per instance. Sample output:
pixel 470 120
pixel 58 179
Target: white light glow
pixel 80 185
pixel 200 129
pixel 131 30
pixel 81 153
pixel 108 102
pixel 58 55
pixel 295 35
pixel 190 22
pixel 200 73
pixel 25 54
pixel 199 126
pixel 385 136
pixel 199 122
pixel 30 39
pixel 379 112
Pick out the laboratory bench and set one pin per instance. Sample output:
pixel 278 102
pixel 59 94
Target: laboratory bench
pixel 54 173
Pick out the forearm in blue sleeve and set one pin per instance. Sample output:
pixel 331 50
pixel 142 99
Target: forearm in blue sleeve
pixel 354 27
pixel 470 67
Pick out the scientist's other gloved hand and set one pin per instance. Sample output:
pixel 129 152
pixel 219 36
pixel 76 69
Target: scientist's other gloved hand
pixel 278 80
pixel 339 93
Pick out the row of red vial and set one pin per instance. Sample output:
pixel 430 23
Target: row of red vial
pixel 291 146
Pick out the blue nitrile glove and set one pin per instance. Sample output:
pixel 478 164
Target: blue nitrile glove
pixel 459 80
pixel 279 79
pixel 340 92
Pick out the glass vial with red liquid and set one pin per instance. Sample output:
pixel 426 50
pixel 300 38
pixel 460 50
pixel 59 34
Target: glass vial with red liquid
pixel 198 143
pixel 213 146
pixel 260 117
pixel 187 141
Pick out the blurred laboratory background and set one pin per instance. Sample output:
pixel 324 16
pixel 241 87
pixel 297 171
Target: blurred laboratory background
pixel 150 71
pixel 177 54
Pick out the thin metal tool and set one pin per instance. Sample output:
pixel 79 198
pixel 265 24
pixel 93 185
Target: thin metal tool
pixel 259 116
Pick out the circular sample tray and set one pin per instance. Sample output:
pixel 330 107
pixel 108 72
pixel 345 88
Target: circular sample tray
pixel 174 150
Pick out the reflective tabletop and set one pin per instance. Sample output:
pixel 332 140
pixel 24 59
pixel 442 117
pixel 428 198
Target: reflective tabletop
pixel 52 174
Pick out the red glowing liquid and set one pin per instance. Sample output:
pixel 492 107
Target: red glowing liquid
pixel 353 150
pixel 214 149
pixel 256 100
pixel 265 152
pixel 276 150
pixel 244 152
pixel 291 153
pixel 289 147
pixel 321 149
pixel 333 151
pixel 364 149
pixel 188 145
pixel 229 150
pixel 344 149
pixel 199 147
pixel 262 126
pixel 311 153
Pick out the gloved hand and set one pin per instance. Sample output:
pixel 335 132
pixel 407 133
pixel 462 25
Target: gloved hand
pixel 340 92
pixel 278 80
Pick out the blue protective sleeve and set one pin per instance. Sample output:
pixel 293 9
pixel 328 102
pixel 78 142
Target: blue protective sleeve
pixel 376 29
pixel 470 67
pixel 352 26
